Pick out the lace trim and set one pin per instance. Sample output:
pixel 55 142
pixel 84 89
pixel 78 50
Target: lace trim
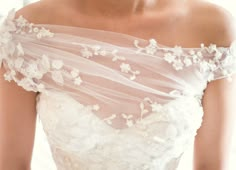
pixel 179 59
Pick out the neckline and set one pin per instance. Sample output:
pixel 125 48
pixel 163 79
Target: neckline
pixel 11 16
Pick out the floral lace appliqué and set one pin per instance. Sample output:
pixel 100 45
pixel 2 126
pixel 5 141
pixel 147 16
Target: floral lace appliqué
pixel 219 65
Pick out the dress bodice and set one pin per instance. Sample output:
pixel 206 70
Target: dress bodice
pixel 80 140
pixel 109 100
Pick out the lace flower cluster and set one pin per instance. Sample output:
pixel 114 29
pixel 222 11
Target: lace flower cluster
pixel 34 69
pixel 222 64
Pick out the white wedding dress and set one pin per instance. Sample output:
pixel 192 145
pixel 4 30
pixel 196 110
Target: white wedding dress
pixel 108 100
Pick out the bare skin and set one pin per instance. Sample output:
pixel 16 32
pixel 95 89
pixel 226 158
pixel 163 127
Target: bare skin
pixel 172 22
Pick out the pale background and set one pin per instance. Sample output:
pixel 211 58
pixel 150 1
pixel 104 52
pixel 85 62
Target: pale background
pixel 42 159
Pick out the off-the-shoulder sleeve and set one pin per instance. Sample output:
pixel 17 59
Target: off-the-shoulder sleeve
pixel 223 63
pixel 21 64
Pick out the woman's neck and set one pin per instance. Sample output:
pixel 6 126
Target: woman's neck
pixel 108 8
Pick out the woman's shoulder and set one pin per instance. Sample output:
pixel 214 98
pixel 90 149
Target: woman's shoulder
pixel 36 12
pixel 212 22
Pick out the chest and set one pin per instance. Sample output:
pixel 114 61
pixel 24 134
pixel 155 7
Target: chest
pixel 170 29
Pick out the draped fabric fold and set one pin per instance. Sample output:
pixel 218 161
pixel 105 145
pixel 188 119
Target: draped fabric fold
pixel 106 68
pixel 122 79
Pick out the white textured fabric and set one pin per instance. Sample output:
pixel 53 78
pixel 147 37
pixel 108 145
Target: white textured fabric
pixel 109 100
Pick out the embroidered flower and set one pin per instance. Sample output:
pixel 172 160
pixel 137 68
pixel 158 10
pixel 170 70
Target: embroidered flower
pixel 178 51
pixel 9 75
pixel 178 65
pixel 96 107
pixel 44 33
pixel 36 30
pixel 74 73
pixel 21 21
pixel 96 49
pixel 57 64
pixel 196 59
pixel 128 118
pixel 187 62
pixel 32 71
pixel 57 77
pixel 78 81
pixel 151 48
pixel 156 107
pixel 103 53
pixel 125 67
pixel 212 48
pixel 192 52
pixel 116 56
pixel 199 54
pixel 169 57
pixel 86 53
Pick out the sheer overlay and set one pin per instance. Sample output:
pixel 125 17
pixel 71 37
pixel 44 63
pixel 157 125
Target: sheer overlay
pixel 109 100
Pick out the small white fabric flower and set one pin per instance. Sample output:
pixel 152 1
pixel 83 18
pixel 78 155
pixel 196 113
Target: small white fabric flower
pixel 32 71
pixel 125 68
pixel 187 62
pixel 152 47
pixel 129 123
pixel 192 52
pixel 57 77
pixel 21 21
pixel 44 33
pixel 57 64
pixel 169 57
pixel 199 54
pixel 128 118
pixel 86 53
pixel 74 73
pixel 178 65
pixel 78 81
pixel 178 51
pixel 96 107
pixel 212 48
pixel 36 30
pixel 156 107
pixel 9 75
pixel 103 53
